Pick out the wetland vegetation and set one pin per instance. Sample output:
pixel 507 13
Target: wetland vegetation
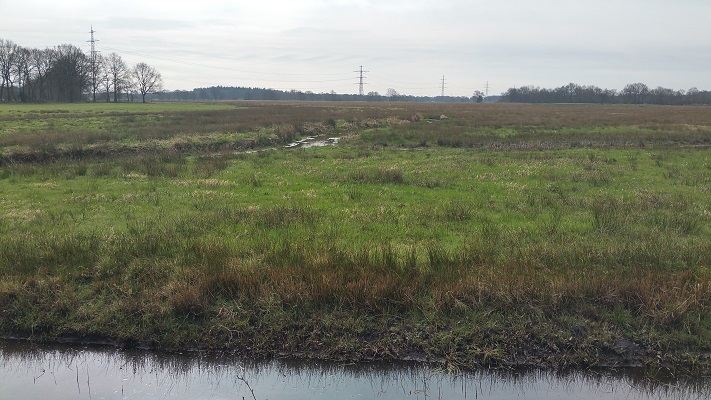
pixel 467 234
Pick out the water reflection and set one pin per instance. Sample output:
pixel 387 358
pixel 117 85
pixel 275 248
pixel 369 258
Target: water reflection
pixel 59 372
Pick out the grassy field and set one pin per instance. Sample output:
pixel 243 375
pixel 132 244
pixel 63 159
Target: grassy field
pixel 471 234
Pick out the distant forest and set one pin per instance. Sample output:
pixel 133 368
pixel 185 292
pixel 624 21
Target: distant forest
pixel 247 93
pixel 634 93
pixel 65 73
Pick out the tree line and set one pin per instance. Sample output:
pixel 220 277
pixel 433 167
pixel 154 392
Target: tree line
pixel 250 93
pixel 633 93
pixel 66 74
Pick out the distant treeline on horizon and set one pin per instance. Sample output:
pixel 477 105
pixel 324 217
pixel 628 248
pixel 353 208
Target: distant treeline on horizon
pixel 249 93
pixel 634 93
pixel 66 74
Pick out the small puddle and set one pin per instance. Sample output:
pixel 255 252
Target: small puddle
pixel 62 372
pixel 313 141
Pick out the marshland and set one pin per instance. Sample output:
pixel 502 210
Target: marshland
pixel 469 235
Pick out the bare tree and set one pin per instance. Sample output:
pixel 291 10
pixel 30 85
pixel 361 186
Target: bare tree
pixel 572 90
pixel 96 69
pixel 147 79
pixel 70 73
pixel 8 50
pixel 22 69
pixel 392 94
pixel 41 61
pixel 105 80
pixel 635 93
pixel 607 94
pixel 478 96
pixel 692 95
pixel 118 73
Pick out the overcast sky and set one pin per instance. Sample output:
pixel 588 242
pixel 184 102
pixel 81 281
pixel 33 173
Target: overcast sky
pixel 408 45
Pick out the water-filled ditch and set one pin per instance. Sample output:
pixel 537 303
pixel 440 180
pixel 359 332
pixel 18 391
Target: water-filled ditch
pixel 29 371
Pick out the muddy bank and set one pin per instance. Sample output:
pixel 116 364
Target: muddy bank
pixel 498 350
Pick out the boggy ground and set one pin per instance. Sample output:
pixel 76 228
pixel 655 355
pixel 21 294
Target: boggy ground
pixel 470 235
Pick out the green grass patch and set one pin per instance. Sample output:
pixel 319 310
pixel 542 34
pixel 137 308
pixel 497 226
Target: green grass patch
pixel 381 247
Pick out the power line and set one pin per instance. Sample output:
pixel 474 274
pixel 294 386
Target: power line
pixel 287 78
pixel 232 69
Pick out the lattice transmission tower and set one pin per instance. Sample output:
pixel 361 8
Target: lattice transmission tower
pixel 94 63
pixel 361 78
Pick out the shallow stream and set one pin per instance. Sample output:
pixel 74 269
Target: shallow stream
pixel 29 371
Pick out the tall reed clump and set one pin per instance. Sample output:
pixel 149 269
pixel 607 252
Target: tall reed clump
pixel 391 174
